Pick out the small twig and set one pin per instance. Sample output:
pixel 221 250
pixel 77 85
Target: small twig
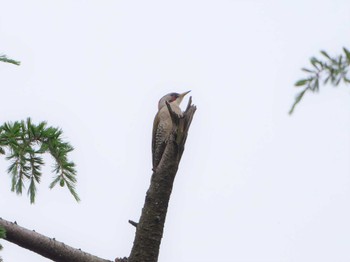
pixel 133 223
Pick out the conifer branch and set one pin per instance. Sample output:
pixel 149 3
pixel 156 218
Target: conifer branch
pixel 4 58
pixel 2 235
pixel 24 143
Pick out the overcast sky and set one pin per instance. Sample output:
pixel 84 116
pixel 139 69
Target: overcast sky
pixel 254 183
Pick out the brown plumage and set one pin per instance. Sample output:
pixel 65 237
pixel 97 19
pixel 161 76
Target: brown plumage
pixel 162 125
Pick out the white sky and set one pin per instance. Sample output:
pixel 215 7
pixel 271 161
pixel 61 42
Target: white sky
pixel 254 184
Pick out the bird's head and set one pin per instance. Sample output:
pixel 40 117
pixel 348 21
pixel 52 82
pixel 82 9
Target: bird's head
pixel 171 97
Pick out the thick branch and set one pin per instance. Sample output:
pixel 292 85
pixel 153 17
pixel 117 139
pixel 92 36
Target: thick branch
pixel 47 247
pixel 149 230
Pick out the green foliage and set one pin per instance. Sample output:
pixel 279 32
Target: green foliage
pixel 2 235
pixel 4 58
pixel 330 70
pixel 24 143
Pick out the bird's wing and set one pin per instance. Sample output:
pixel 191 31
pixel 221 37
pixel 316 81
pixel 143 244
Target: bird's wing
pixel 154 134
pixel 158 141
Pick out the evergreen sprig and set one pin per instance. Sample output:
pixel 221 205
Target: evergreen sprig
pixel 2 235
pixel 24 143
pixel 332 70
pixel 4 58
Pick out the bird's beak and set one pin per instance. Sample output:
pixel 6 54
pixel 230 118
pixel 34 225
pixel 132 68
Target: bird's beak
pixel 181 96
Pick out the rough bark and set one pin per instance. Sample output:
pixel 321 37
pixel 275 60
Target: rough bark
pixel 45 246
pixel 149 229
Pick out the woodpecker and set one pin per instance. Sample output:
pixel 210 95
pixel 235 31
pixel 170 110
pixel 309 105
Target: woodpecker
pixel 163 124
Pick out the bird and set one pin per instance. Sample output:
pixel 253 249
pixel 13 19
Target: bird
pixel 162 124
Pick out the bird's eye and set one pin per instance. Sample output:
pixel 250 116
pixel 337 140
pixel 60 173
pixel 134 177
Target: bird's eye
pixel 173 97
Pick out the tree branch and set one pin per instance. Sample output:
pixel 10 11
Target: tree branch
pixel 149 230
pixel 24 143
pixel 45 246
pixel 133 223
pixel 4 58
pixel 334 70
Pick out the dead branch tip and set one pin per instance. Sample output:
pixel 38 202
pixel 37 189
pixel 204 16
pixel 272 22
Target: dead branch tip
pixel 133 223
